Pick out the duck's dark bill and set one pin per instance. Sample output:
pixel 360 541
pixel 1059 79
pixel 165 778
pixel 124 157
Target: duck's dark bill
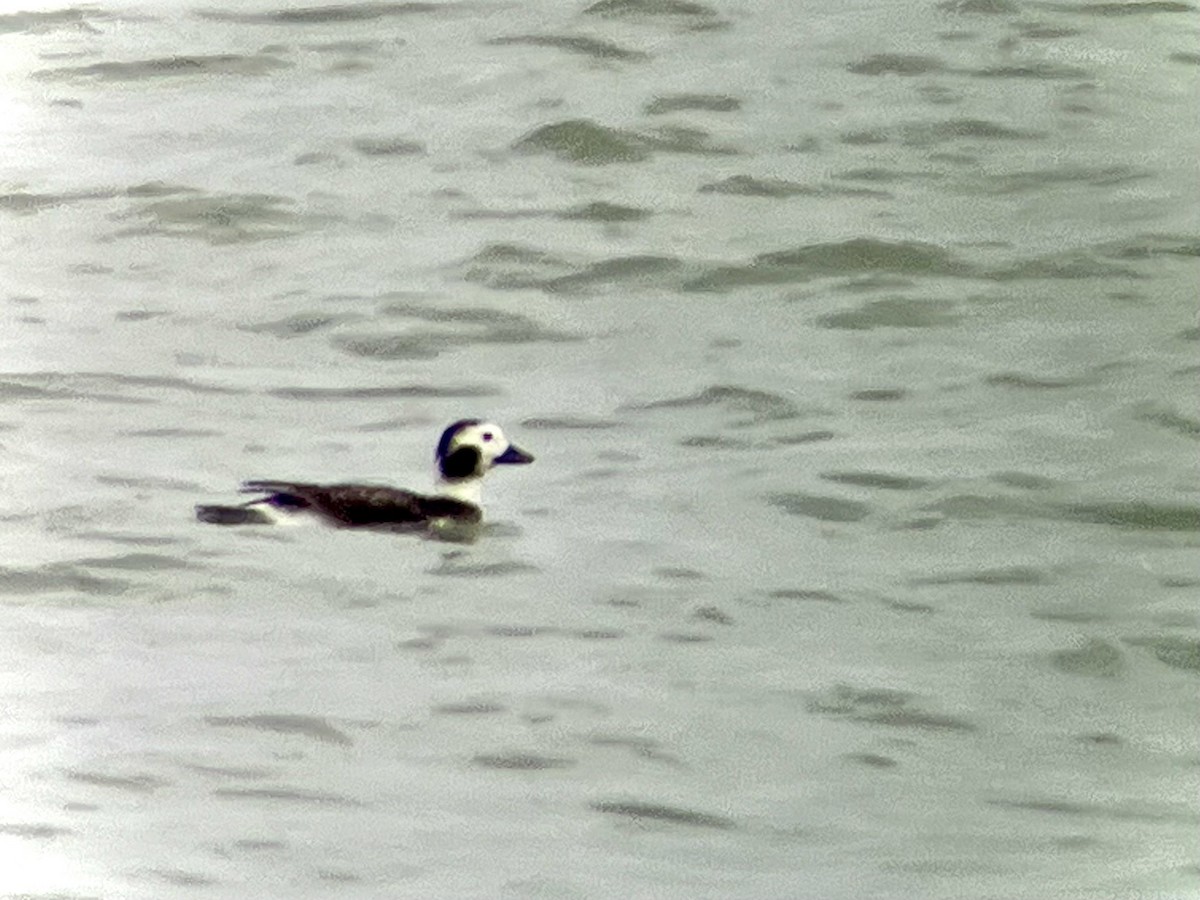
pixel 512 456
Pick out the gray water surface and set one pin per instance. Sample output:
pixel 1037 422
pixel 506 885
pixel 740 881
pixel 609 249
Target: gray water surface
pixel 857 346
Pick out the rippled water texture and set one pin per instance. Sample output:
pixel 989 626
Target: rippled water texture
pixel 857 347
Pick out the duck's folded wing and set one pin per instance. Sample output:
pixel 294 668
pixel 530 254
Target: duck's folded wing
pixel 359 504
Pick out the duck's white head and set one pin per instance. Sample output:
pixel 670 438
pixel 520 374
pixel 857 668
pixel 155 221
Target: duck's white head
pixel 468 449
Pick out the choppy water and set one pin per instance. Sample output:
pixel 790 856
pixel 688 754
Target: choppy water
pixel 857 346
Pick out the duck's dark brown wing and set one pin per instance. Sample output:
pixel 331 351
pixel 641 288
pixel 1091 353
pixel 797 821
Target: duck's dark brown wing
pixel 360 504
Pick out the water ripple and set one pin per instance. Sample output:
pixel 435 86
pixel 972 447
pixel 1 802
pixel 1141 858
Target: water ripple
pixel 72 18
pixel 382 392
pixel 1177 652
pixel 600 211
pixel 1003 576
pixel 693 16
pixel 321 15
pixel 521 762
pixel 59 577
pixel 1118 811
pixel 641 812
pixel 883 706
pixel 892 312
pixel 288 794
pixel 588 143
pixel 880 480
pixel 587 46
pixel 137 784
pixel 170 67
pixel 283 723
pixel 670 103
pixel 822 508
pixel 851 257
pixel 763 406
pixel 1096 659
pixel 896 64
pixel 228 218
pixel 1038 71
pixel 780 188
pixel 35 830
pixel 1136 8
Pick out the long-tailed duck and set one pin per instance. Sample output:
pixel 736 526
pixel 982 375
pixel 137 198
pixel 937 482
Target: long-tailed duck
pixel 466 452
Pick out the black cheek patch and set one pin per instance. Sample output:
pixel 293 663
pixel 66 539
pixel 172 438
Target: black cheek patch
pixel 462 463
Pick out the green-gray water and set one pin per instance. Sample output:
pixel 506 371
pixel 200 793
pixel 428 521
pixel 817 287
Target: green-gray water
pixel 857 346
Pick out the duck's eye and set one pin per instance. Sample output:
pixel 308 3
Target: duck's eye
pixel 487 436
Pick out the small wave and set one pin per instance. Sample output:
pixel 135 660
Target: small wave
pixel 27 202
pixel 1142 515
pixel 568 423
pixel 879 395
pixel 169 67
pixel 521 762
pixel 135 784
pixel 893 312
pixel 589 143
pixel 1037 71
pixel 1005 576
pixel 805 595
pixel 600 211
pixel 883 706
pixel 587 46
pixel 102 387
pixel 33 830
pixel 981 7
pixel 42 22
pixel 656 812
pixel 477 326
pixel 469 708
pixel 288 794
pixel 1038 180
pixel 820 507
pixel 693 16
pixel 921 134
pixel 881 480
pixel 1096 659
pixel 1151 246
pixel 387 146
pixel 510 267
pixel 1137 8
pixel 583 141
pixel 896 64
pixel 778 188
pixel 1071 265
pixel 381 392
pixel 322 15
pixel 516 267
pixel 1025 481
pixel 59 578
pixel 1177 652
pixel 851 257
pixel 285 723
pixel 670 103
pixel 1170 419
pixel 1036 382
pixel 763 406
pixel 617 270
pixel 137 562
pixel 459 569
pixel 298 325
pixel 221 218
pixel 1124 812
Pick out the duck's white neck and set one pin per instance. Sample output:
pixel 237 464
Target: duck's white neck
pixel 467 490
